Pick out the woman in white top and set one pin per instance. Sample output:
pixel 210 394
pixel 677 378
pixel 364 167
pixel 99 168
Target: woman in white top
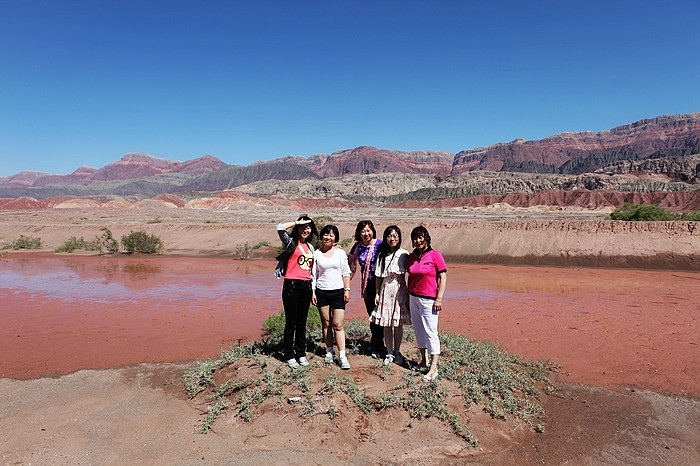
pixel 331 275
pixel 392 310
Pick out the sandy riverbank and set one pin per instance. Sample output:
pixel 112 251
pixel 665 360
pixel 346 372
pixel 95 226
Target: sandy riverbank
pixel 138 414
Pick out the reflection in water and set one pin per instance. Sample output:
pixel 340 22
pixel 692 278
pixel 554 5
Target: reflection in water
pixel 140 271
pixel 66 313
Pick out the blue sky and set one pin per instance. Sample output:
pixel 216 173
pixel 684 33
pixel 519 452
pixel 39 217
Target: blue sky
pixel 85 82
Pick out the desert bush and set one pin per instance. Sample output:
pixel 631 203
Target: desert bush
pixel 142 242
pixel 245 251
pixel 105 243
pixel 74 243
pixel 274 325
pixel 693 216
pixel 641 212
pixel 24 242
pixel 480 372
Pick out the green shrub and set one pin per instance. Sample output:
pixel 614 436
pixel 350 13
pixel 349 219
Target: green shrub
pixel 24 242
pixel 641 212
pixel 245 251
pixel 274 325
pixel 693 216
pixel 142 242
pixel 106 243
pixel 74 243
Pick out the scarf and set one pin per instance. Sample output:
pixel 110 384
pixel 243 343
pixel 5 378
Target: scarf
pixel 366 271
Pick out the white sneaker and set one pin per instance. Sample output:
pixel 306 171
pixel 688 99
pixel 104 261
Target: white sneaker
pixel 293 363
pixel 388 359
pixel 344 364
pixel 303 361
pixel 329 358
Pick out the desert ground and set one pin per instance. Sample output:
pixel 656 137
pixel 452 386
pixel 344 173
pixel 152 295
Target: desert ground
pixel 136 412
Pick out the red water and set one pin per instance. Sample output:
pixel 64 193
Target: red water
pixel 610 328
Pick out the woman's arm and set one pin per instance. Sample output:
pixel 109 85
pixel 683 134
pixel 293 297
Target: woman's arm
pixel 379 281
pixel 442 283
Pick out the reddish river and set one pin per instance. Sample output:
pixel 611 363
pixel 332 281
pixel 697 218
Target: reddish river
pixel 609 328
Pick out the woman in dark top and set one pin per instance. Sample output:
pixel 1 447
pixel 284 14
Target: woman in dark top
pixel 295 264
pixel 364 252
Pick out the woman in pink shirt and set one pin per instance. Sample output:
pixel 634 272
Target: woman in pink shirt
pixel 295 264
pixel 427 278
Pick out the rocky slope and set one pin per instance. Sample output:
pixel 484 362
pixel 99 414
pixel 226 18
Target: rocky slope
pixel 586 151
pixel 660 154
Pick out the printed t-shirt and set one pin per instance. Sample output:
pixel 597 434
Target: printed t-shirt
pixel 423 272
pixel 300 263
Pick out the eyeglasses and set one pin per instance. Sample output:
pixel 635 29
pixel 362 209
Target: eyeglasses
pixel 393 235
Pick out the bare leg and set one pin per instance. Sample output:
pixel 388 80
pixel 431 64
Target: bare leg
pixel 433 365
pixel 326 329
pixel 389 339
pixel 339 328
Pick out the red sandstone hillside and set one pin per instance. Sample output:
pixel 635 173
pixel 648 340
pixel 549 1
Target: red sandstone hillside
pixel 665 135
pixel 132 166
pixel 656 155
pixel 365 160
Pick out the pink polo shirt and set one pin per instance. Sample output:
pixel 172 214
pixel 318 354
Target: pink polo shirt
pixel 422 274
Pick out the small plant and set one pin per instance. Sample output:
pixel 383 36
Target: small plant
pixel 155 220
pixel 693 216
pixel 74 243
pixel 245 251
pixel 105 243
pixel 651 213
pixel 504 384
pixel 274 325
pixel 641 212
pixel 24 242
pixel 141 242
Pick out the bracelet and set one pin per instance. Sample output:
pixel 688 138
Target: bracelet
pixel 346 289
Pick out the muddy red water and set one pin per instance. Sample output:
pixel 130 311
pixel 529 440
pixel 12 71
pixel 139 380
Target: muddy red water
pixel 609 328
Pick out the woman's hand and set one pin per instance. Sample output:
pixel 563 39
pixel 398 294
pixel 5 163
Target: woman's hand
pixel 437 306
pixel 313 298
pixel 346 295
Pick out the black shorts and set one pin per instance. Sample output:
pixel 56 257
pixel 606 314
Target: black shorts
pixel 332 298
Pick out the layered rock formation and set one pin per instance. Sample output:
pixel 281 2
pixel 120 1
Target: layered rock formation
pixel 660 154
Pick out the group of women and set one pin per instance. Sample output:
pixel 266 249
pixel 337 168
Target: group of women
pixel 397 288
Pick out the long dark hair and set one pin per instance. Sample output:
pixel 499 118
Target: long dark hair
pixel 384 249
pixel 287 253
pixel 298 228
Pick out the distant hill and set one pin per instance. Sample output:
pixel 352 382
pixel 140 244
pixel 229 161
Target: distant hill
pixel 654 154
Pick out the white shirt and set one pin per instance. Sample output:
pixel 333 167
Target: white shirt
pixel 328 272
pixel 395 262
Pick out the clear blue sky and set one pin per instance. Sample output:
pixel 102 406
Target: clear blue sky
pixel 85 82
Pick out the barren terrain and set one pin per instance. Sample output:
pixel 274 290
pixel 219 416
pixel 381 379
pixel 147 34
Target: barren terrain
pixel 139 414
